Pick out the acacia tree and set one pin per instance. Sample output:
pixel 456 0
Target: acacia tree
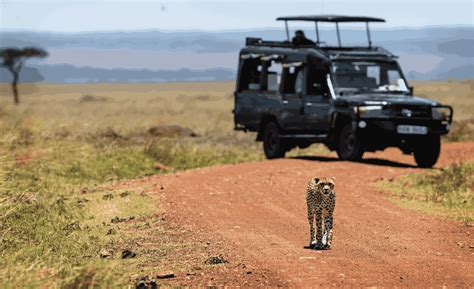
pixel 13 60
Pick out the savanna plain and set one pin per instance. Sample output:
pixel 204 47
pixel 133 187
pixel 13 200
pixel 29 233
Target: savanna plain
pixel 65 220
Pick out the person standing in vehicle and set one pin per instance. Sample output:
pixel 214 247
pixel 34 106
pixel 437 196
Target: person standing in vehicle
pixel 300 39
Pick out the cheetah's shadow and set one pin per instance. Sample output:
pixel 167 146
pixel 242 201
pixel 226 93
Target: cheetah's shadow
pixel 316 248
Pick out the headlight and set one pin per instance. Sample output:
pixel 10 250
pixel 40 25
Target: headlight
pixel 370 111
pixel 440 113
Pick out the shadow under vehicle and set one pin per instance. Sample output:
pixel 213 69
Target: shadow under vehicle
pixel 351 98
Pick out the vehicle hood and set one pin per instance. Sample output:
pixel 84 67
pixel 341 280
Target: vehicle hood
pixel 383 99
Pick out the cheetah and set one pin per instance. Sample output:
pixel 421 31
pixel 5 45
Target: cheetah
pixel 321 200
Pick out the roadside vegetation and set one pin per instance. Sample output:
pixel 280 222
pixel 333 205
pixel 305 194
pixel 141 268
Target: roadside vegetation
pixel 447 192
pixel 65 144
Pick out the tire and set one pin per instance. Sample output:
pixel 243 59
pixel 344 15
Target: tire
pixel 273 145
pixel 350 146
pixel 427 152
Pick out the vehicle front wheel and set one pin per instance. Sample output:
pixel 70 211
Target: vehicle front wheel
pixel 427 151
pixel 273 145
pixel 350 146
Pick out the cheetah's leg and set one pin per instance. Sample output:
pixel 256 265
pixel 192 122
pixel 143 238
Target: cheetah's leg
pixel 312 240
pixel 319 234
pixel 328 230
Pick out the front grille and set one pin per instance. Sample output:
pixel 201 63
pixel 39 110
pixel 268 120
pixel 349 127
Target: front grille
pixel 409 111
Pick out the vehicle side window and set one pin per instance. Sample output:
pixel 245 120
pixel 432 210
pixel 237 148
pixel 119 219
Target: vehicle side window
pixel 250 72
pixel 317 84
pixel 271 76
pixel 299 82
pixel 374 73
pixel 293 77
pixel 393 77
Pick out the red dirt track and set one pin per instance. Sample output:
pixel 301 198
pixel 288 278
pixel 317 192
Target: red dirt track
pixel 259 210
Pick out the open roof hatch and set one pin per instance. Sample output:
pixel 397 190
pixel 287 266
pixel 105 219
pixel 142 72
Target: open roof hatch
pixel 331 18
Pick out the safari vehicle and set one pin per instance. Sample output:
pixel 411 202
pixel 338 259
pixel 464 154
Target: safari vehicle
pixel 353 99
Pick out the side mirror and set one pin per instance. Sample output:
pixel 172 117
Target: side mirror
pixel 411 89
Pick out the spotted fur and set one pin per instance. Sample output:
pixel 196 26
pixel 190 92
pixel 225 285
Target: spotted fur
pixel 321 200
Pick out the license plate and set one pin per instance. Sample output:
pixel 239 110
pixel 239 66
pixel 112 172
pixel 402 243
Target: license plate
pixel 412 129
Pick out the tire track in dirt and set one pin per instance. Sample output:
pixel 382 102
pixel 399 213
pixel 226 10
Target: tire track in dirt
pixel 259 210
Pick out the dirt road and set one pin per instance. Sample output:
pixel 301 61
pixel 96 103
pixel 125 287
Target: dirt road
pixel 258 210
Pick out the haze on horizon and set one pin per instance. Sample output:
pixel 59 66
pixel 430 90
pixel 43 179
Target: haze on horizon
pixel 127 15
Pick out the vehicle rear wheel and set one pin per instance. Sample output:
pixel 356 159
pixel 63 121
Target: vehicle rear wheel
pixel 350 146
pixel 427 151
pixel 273 145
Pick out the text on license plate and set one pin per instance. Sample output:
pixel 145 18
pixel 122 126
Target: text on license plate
pixel 412 129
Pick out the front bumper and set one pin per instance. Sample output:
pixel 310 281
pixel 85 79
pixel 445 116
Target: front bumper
pixel 378 134
pixel 390 125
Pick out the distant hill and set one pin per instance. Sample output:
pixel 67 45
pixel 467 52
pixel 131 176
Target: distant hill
pixel 71 74
pixel 425 53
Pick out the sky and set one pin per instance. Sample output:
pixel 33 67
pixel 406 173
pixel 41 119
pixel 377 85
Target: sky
pixel 128 15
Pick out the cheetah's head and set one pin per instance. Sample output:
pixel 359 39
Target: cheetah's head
pixel 326 185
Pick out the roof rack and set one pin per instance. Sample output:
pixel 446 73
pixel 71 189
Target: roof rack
pixel 331 18
pixel 374 52
pixel 270 43
pixel 332 52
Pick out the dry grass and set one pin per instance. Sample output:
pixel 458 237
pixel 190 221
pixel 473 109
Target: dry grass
pixel 205 107
pixel 84 108
pixel 458 94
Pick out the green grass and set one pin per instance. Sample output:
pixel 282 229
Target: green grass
pixel 447 192
pixel 54 214
pixel 46 226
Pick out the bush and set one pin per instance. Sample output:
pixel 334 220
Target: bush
pixel 461 131
pixel 451 186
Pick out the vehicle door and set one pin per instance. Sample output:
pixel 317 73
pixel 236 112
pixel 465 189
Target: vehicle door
pixel 317 99
pixel 291 113
pixel 248 98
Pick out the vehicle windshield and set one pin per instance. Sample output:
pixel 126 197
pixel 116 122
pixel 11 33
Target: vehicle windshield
pixel 350 77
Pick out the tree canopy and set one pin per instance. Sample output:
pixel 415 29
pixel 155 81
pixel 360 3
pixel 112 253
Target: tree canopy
pixel 13 60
